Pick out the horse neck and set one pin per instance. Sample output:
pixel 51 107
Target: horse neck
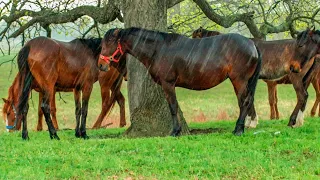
pixel 140 48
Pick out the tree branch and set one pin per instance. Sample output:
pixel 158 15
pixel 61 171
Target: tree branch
pixel 228 21
pixel 102 15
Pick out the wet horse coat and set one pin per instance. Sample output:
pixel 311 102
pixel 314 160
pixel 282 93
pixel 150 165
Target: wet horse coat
pixel 280 58
pixel 175 60
pixel 51 63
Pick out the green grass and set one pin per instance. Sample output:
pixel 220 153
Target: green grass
pixel 272 151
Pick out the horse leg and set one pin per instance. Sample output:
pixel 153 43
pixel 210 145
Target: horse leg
pixel 76 94
pixel 106 105
pixel 121 102
pixel 272 86
pixel 169 90
pixel 53 111
pixel 276 103
pixel 251 120
pixel 315 84
pixel 245 90
pixel 48 97
pixel 244 100
pixel 25 135
pixel 301 85
pixel 40 113
pixel 86 92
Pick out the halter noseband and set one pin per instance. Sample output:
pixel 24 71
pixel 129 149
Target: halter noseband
pixel 15 117
pixel 108 59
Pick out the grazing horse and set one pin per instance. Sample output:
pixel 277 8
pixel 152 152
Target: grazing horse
pixel 107 81
pixel 280 58
pixel 55 64
pixel 175 60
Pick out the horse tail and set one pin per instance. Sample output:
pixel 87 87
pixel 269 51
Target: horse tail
pixel 25 79
pixel 253 81
pixel 115 89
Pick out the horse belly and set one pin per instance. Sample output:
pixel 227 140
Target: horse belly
pixel 202 81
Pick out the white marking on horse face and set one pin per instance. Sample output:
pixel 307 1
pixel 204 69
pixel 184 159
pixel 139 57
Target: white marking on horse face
pixel 299 120
pixel 247 121
pixel 254 122
pixel 7 124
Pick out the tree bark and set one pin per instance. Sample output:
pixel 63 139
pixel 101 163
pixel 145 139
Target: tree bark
pixel 149 110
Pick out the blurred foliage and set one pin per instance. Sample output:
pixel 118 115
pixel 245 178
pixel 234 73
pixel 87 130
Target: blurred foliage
pixel 185 17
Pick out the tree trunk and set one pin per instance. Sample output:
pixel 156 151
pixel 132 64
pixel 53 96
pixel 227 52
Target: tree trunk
pixel 149 110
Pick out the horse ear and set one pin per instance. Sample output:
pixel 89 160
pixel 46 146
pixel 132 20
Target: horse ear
pixel 200 29
pixel 5 101
pixel 311 30
pixel 302 37
pixel 116 32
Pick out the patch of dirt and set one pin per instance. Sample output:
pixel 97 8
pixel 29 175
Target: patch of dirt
pixel 200 117
pixel 222 115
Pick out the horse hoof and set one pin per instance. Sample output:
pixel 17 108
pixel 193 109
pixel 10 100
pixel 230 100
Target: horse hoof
pixel 291 123
pixel 85 137
pixel 238 133
pixel 78 135
pixel 122 125
pixel 55 136
pixel 25 136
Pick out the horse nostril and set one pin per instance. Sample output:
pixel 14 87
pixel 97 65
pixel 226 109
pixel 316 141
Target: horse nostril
pixel 100 66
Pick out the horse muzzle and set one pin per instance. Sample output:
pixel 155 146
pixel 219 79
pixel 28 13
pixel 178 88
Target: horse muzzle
pixel 103 67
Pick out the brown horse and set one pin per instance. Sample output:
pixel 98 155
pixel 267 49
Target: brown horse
pixel 175 60
pixel 279 59
pixel 54 64
pixel 107 82
pixel 272 88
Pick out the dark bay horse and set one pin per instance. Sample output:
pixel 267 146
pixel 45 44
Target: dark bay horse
pixel 175 60
pixel 107 81
pixel 280 58
pixel 54 64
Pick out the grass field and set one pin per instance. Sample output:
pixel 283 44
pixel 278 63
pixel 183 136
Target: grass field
pixel 272 151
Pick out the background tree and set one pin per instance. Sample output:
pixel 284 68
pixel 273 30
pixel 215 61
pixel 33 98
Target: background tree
pixel 149 110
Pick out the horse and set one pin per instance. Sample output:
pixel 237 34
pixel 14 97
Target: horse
pixel 107 81
pixel 175 60
pixel 277 57
pixel 201 32
pixel 292 78
pixel 55 64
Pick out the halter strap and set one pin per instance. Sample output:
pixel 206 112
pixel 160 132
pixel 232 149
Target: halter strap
pixel 108 59
pixel 15 117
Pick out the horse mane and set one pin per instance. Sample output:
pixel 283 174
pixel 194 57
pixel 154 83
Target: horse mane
pixel 145 34
pixel 94 44
pixel 10 98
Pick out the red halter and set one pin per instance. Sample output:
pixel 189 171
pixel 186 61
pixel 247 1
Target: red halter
pixel 108 59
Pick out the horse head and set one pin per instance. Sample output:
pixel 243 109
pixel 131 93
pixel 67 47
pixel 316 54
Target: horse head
pixel 9 114
pixel 308 44
pixel 197 33
pixel 112 50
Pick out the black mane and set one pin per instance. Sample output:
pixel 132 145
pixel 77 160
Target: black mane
pixel 144 34
pixel 94 44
